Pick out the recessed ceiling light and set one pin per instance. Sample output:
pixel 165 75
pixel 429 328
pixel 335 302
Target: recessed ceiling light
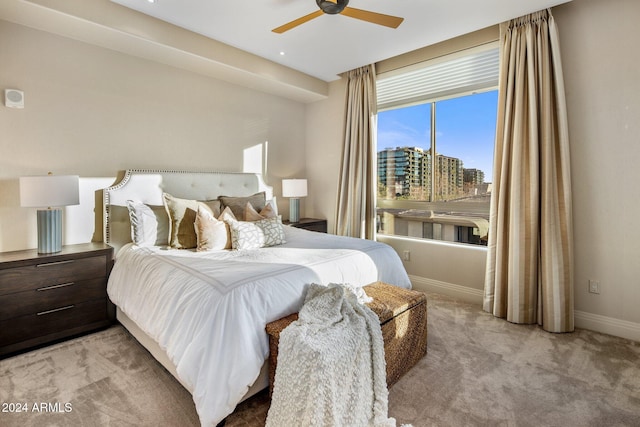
pixel 151 1
pixel 282 53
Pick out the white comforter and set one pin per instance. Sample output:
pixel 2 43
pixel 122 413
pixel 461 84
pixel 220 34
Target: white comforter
pixel 208 310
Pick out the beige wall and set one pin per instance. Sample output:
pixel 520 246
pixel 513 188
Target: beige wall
pixel 92 111
pixel 325 133
pixel 601 66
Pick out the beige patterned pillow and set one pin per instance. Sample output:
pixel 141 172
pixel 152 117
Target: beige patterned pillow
pixel 273 231
pixel 257 234
pixel 245 235
pixel 182 217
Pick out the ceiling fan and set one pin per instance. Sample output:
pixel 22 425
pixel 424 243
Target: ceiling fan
pixel 333 7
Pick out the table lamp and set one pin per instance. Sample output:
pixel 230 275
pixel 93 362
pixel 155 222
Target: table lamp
pixel 294 189
pixel 49 193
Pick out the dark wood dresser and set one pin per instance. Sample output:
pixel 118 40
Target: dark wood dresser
pixel 49 297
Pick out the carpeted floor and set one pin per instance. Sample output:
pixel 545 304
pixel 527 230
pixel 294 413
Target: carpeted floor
pixel 479 371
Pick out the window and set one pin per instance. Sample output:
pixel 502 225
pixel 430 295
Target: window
pixel 436 134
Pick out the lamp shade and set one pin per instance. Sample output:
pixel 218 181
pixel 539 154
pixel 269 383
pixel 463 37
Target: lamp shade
pixel 49 191
pixel 294 188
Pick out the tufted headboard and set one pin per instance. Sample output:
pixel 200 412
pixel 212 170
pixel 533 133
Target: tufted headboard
pixel 147 186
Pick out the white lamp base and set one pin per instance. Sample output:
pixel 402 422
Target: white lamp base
pixel 294 210
pixel 49 230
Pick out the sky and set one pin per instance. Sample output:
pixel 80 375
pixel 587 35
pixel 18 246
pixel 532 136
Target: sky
pixel 465 128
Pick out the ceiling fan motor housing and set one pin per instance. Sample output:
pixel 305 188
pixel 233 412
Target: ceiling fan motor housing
pixel 332 8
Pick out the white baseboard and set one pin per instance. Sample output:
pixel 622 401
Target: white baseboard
pixel 583 320
pixel 607 325
pixel 463 293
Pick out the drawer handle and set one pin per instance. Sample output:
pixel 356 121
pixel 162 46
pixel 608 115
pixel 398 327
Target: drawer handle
pixel 55 309
pixel 48 264
pixel 62 285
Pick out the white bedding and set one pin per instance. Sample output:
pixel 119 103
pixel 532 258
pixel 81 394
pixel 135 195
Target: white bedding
pixel 208 310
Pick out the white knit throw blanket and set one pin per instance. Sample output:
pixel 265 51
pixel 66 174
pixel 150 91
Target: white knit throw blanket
pixel 331 368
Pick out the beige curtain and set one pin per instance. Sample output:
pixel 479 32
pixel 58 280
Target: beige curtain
pixel 355 215
pixel 530 254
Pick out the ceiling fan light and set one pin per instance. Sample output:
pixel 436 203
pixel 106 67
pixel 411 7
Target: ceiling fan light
pixel 332 7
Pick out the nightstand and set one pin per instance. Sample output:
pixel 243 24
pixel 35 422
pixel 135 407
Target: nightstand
pixel 312 224
pixel 48 297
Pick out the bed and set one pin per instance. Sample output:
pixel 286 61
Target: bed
pixel 202 314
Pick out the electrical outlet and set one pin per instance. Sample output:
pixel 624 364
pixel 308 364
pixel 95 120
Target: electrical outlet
pixel 594 286
pixel 406 255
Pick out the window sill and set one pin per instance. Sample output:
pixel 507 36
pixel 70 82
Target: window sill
pixel 430 242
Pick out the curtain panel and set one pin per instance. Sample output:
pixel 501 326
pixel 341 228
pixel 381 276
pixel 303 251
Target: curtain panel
pixel 356 207
pixel 529 277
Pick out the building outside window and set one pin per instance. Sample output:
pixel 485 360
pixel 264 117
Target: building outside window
pixel 436 135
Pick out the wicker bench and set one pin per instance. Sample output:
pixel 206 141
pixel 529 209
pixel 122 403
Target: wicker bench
pixel 403 320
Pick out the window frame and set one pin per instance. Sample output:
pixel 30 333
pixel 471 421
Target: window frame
pixel 435 205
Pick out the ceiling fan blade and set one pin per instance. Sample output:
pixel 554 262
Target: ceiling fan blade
pixel 286 27
pixel 373 17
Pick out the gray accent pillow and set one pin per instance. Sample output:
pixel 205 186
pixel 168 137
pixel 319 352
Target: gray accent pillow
pixel 237 204
pixel 149 224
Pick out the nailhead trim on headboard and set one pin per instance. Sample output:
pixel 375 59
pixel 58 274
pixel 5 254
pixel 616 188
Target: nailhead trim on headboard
pixel 147 186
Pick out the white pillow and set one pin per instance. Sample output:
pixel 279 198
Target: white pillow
pixel 211 233
pixel 274 204
pixel 226 216
pixel 149 224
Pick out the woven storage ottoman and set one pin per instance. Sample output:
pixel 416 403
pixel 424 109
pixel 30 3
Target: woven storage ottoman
pixel 403 320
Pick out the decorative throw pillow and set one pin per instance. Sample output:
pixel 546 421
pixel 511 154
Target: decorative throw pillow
pixel 274 204
pixel 250 214
pixel 211 233
pixel 182 217
pixel 237 204
pixel 273 231
pixel 149 224
pixel 214 205
pixel 226 216
pixel 245 235
pixel 253 235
